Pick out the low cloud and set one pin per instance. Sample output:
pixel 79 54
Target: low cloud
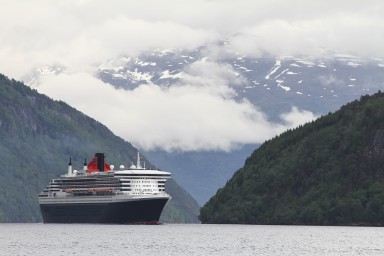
pixel 199 113
pixel 82 34
pixel 297 117
pixel 315 37
pixel 202 111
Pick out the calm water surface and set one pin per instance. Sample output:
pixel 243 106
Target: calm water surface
pixel 188 239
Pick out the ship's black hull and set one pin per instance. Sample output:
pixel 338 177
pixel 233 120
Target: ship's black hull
pixel 146 211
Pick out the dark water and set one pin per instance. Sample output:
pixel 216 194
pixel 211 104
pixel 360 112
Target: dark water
pixel 189 239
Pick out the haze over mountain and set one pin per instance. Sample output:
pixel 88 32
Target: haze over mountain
pixel 242 72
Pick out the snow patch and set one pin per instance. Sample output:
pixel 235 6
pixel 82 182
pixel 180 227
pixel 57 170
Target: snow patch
pixel 308 63
pixel 165 74
pixel 245 69
pixel 274 69
pixel 145 63
pixel 279 84
pixel 188 57
pixel 353 64
pixel 118 75
pixel 285 70
pixel 286 88
pixel 163 52
pixel 138 76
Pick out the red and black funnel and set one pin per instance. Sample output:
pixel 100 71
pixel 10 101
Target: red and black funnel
pixel 98 164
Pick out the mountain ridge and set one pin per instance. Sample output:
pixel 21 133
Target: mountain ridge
pixel 327 172
pixel 272 84
pixel 38 135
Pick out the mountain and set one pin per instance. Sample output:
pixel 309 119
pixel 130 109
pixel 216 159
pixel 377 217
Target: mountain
pixel 327 172
pixel 273 84
pixel 317 84
pixel 39 135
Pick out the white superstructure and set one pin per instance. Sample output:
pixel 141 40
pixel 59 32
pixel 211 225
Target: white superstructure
pixel 133 183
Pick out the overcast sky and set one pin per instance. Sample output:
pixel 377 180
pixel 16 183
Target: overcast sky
pixel 82 34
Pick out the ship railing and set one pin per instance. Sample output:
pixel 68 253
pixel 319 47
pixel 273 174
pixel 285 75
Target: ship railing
pixel 94 191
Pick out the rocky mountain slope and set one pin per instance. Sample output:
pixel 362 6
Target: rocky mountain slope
pixel 303 82
pixel 328 172
pixel 39 135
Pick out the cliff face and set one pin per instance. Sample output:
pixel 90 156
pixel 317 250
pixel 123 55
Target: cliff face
pixel 328 172
pixel 38 135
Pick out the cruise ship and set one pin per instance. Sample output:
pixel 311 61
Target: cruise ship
pixel 100 194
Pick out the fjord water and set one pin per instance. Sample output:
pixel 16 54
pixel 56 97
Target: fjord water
pixel 188 239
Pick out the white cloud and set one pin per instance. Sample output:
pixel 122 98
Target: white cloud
pixel 80 34
pixel 314 37
pixel 297 117
pixel 200 113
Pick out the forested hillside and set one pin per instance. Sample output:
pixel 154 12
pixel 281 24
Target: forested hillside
pixel 328 172
pixel 37 138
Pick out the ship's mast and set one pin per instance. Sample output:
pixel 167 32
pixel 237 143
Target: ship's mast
pixel 138 164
